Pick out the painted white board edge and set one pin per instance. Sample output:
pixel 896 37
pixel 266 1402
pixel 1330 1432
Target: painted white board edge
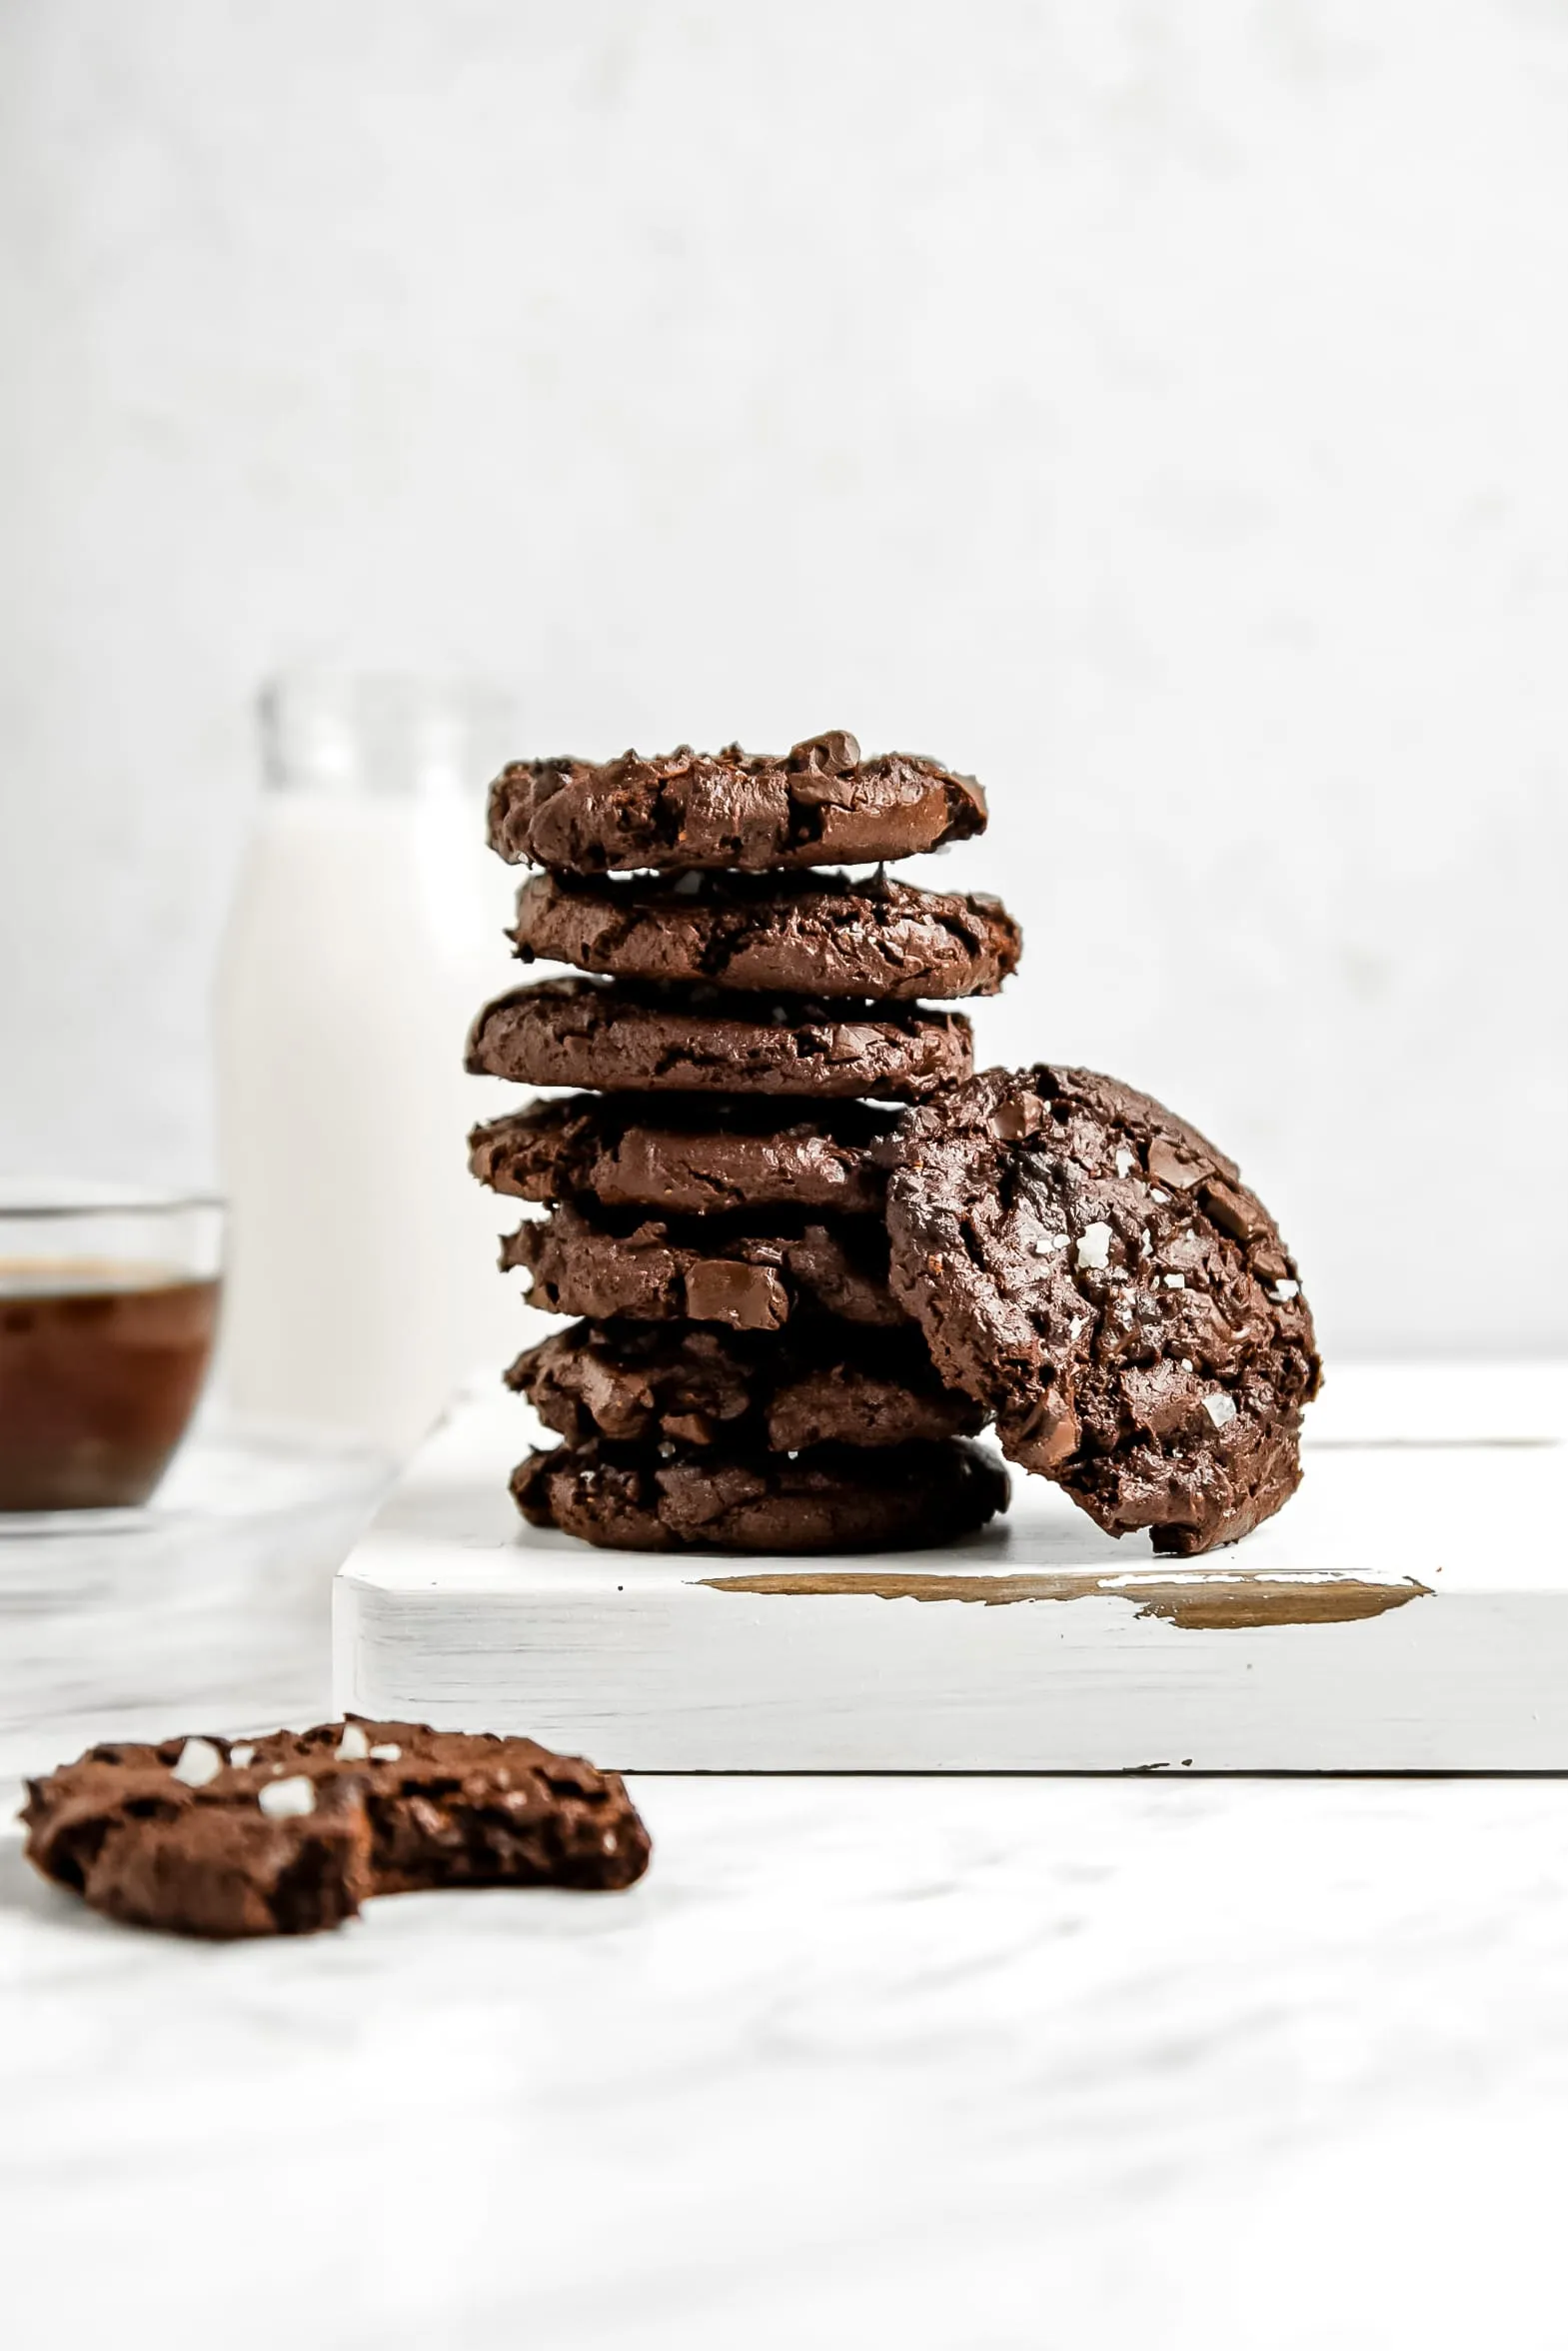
pixel 1434 1497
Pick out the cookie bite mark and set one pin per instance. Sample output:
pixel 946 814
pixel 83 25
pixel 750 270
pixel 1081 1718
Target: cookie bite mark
pixel 295 1831
pixel 1094 1271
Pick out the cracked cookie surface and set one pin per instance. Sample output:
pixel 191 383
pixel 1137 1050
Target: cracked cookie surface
pixel 619 1036
pixel 706 1268
pixel 821 804
pixel 702 1385
pixel 710 1499
pixel 818 934
pixel 292 1832
pixel 686 1158
pixel 1093 1272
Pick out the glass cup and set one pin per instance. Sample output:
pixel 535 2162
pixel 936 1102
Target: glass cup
pixel 108 1312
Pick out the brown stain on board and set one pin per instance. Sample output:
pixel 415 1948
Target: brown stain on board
pixel 1229 1603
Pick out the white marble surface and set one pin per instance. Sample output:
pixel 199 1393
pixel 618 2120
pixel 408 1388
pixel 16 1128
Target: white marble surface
pixel 212 1603
pixel 899 2063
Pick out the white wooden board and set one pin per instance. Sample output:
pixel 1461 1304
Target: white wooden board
pixel 1409 1612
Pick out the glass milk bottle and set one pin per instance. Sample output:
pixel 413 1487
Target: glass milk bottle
pixel 366 932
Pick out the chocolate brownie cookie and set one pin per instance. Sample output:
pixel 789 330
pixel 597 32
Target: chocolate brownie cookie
pixel 832 1501
pixel 705 1268
pixel 291 1833
pixel 686 1157
pixel 823 805
pixel 623 1038
pixel 1093 1271
pixel 816 933
pixel 636 1382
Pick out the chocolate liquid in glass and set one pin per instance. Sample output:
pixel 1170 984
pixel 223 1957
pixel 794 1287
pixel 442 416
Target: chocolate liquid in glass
pixel 100 1369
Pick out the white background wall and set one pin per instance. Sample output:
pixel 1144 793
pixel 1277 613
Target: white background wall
pixel 1161 411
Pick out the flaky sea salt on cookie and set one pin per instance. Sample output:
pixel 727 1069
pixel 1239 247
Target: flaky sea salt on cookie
pixel 1095 1274
pixel 293 1833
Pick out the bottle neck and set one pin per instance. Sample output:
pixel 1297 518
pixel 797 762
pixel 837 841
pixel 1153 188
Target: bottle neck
pixel 344 740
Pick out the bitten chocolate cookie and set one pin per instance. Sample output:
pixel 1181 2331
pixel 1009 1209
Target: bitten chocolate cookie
pixel 686 1157
pixel 705 1268
pixel 1092 1272
pixel 818 933
pixel 291 1833
pixel 823 805
pixel 832 1500
pixel 640 1384
pixel 623 1038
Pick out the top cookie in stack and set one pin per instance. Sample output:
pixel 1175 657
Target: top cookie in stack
pixel 742 1377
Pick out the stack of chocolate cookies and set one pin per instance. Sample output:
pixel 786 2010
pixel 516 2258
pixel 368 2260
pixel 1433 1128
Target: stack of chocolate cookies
pixel 740 1376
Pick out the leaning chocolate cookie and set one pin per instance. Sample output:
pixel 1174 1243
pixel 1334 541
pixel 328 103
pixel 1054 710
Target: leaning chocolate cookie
pixel 749 1272
pixel 810 934
pixel 686 1157
pixel 838 1500
pixel 620 1037
pixel 1093 1272
pixel 820 805
pixel 291 1833
pixel 702 1385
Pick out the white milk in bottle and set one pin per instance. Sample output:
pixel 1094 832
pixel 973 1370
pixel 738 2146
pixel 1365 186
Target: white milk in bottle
pixel 366 933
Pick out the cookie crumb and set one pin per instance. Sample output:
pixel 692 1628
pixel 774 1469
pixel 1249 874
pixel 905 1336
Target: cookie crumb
pixel 288 1799
pixel 198 1762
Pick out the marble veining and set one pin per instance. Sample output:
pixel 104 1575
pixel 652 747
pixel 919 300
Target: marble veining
pixel 950 2063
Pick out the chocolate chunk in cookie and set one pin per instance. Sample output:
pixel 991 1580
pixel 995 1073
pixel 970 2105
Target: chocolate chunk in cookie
pixel 1093 1272
pixel 823 805
pixel 837 1499
pixel 686 1158
pixel 816 934
pixel 701 1384
pixel 706 1268
pixel 626 1037
pixel 293 1832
